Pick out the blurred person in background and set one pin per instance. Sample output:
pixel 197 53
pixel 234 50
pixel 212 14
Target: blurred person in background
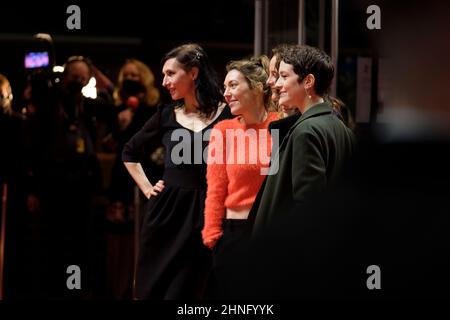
pixel 136 99
pixel 14 223
pixel 64 173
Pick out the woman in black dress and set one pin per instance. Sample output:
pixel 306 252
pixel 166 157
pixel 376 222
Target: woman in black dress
pixel 172 261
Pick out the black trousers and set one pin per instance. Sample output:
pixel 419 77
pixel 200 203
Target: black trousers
pixel 228 270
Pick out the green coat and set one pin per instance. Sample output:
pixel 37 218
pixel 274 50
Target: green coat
pixel 309 158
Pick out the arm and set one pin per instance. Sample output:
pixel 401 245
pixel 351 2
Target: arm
pixel 308 165
pixel 138 174
pixel 217 180
pixel 148 135
pixel 103 81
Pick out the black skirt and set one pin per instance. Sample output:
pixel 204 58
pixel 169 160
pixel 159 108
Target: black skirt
pixel 173 263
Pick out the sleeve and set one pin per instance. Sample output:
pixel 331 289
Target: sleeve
pixel 308 165
pixel 149 135
pixel 217 188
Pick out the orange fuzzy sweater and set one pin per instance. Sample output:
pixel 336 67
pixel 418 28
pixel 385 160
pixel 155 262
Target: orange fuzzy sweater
pixel 236 155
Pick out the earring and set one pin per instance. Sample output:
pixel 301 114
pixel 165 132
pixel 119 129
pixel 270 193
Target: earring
pixel 308 95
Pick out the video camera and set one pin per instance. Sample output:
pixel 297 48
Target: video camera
pixel 37 59
pixel 39 62
pixel 40 56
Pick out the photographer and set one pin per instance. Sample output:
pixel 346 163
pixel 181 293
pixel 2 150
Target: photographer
pixel 13 224
pixel 65 171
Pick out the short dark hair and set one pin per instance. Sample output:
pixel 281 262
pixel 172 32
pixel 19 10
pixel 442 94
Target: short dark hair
pixel 310 60
pixel 207 89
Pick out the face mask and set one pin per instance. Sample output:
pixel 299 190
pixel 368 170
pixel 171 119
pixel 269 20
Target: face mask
pixel 74 87
pixel 132 87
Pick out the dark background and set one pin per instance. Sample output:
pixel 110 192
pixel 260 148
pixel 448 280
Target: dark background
pixel 112 32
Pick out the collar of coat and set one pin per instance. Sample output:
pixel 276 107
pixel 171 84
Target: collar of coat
pixel 314 111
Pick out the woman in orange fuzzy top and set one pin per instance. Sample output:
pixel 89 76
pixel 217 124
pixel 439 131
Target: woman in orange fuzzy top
pixel 238 160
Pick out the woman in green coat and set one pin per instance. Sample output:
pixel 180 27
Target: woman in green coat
pixel 316 148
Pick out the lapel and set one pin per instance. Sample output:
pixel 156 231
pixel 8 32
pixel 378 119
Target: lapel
pixel 315 111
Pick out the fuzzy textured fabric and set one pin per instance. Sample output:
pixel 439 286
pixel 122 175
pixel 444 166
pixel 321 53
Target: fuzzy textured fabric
pixel 234 170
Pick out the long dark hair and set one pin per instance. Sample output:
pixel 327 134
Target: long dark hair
pixel 207 89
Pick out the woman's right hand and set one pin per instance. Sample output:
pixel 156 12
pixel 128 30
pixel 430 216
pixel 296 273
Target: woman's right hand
pixel 157 188
pixel 210 243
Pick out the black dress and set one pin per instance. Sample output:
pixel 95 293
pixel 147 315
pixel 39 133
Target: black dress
pixel 173 263
pixel 122 184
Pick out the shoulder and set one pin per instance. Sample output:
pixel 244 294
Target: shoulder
pixel 284 123
pixel 158 117
pixel 309 125
pixel 308 132
pixel 227 124
pixel 273 116
pixel 328 125
pixel 166 112
pixel 321 131
pixel 166 109
pixel 146 110
pixel 224 112
pixel 318 123
pixel 225 119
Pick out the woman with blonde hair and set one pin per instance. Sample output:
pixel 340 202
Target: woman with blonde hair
pixel 235 178
pixel 5 95
pixel 136 78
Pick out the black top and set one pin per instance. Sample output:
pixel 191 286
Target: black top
pixel 283 125
pixel 141 116
pixel 122 184
pixel 184 148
